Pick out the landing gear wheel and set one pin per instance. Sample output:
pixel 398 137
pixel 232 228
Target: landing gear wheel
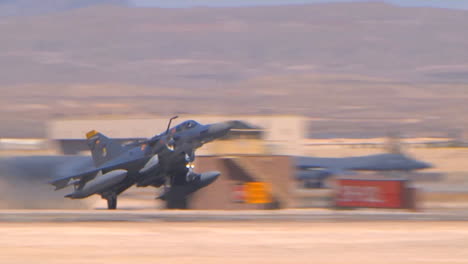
pixel 111 202
pixel 176 203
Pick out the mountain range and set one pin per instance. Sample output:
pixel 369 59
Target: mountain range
pixel 355 66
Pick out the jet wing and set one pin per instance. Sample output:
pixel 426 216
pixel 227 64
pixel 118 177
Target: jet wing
pixel 340 172
pixel 311 167
pixel 313 162
pixel 63 182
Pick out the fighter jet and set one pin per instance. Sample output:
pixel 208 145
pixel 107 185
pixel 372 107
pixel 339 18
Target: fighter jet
pixel 165 159
pixel 315 169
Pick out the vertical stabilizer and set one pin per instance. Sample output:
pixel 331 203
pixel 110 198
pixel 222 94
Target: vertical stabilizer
pixel 102 148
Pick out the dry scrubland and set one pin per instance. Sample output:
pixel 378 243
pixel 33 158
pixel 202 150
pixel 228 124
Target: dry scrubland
pixel 356 66
pixel 288 242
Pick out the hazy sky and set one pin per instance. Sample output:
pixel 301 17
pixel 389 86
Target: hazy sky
pixel 457 4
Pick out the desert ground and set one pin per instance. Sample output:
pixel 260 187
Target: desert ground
pixel 234 242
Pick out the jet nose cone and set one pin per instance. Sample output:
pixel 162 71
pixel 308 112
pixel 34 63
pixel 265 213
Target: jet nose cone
pixel 424 165
pixel 207 178
pixel 419 165
pixel 219 129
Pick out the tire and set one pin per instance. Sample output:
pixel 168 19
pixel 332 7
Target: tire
pixel 176 203
pixel 112 203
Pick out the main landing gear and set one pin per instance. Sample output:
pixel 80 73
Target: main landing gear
pixel 111 202
pixel 177 202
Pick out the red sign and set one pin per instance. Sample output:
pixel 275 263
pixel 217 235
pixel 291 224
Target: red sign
pixel 238 194
pixel 370 193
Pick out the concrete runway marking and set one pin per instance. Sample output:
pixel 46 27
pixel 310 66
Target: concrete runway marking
pixel 306 215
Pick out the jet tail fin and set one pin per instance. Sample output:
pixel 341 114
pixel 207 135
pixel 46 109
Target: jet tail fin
pixel 102 148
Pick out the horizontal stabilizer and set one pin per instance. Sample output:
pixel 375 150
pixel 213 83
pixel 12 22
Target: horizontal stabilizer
pixel 63 182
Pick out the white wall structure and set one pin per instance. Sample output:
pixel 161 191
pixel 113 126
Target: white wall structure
pixel 23 144
pixel 283 134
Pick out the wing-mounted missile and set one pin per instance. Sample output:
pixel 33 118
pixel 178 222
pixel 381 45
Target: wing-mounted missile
pixel 149 173
pixel 196 182
pixel 99 183
pixel 150 166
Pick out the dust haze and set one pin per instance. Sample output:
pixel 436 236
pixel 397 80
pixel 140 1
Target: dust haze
pixel 25 186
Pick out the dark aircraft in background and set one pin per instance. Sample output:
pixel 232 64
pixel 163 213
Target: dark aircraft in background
pixel 313 170
pixel 163 160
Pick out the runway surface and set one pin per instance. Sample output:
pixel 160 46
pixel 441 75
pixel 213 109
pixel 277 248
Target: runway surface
pixel 383 242
pixel 306 215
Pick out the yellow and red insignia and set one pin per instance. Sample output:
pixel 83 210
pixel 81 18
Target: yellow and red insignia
pixel 91 134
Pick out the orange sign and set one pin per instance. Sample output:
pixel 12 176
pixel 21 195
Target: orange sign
pixel 370 193
pixel 257 192
pixel 252 193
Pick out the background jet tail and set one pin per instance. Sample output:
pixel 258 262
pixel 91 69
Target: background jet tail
pixel 102 148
